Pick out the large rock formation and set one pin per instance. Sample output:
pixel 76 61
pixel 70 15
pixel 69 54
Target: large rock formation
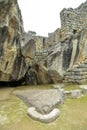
pixel 18 49
pixel 37 59
pixel 40 99
pixel 59 57
pixel 41 106
pixel 14 59
pixel 12 64
pixel 37 74
pixel 67 45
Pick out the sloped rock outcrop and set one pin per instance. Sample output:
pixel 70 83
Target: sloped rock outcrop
pixel 17 53
pixel 43 100
pixel 67 53
pixel 59 56
pixel 78 64
pixel 67 46
pixel 12 64
pixel 38 74
pixel 14 59
pixel 41 107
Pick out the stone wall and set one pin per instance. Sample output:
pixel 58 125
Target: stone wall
pixel 72 20
pixel 27 36
pixel 53 38
pixel 40 41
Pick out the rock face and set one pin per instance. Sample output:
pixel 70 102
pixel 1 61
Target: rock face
pixel 14 59
pixel 67 45
pixel 17 50
pixel 12 64
pixel 42 103
pixel 37 74
pixel 59 57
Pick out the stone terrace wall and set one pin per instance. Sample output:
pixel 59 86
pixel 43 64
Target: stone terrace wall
pixel 53 38
pixel 72 20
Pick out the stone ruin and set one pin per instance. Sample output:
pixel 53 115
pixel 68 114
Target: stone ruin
pixel 72 20
pixel 62 54
pixel 61 50
pixel 66 46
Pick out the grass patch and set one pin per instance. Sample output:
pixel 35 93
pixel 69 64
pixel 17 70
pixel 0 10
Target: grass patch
pixel 73 113
pixel 68 87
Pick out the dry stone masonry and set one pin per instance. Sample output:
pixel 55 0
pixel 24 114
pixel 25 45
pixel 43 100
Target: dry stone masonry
pixel 66 46
pixel 78 74
pixel 72 20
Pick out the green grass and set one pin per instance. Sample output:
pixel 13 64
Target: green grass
pixel 71 87
pixel 73 114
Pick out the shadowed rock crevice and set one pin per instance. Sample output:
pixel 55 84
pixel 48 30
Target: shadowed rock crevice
pixel 12 83
pixel 37 74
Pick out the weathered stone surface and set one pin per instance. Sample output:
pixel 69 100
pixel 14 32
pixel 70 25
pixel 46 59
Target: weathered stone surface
pixel 43 100
pixel 12 64
pixel 45 118
pixel 14 59
pixel 58 86
pixel 67 45
pixel 68 26
pixel 61 50
pixel 54 76
pixel 38 74
pixel 28 51
pixel 77 74
pixel 59 57
pixel 76 93
pixel 27 36
pixel 73 94
pixel 83 88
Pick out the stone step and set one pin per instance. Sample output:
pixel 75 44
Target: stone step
pixel 77 70
pixel 82 66
pixel 76 73
pixel 75 81
pixel 76 76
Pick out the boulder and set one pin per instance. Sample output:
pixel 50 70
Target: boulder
pixel 44 101
pixel 28 50
pixel 38 74
pixel 76 93
pixel 83 88
pixel 44 118
pixel 55 76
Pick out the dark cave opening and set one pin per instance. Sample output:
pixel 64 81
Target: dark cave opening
pixel 12 83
